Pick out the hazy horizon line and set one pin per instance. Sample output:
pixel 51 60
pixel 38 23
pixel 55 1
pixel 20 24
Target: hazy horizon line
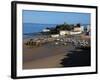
pixel 55 23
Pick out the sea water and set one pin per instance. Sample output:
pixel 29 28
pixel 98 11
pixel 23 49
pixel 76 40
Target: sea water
pixel 33 29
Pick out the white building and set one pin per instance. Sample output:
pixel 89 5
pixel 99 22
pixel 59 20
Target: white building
pixel 46 30
pixel 55 35
pixel 82 28
pixel 75 31
pixel 88 28
pixel 63 32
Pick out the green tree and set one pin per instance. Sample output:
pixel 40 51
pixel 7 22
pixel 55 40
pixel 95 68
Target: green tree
pixel 78 25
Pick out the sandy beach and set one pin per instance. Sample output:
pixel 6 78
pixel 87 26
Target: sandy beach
pixel 51 55
pixel 45 56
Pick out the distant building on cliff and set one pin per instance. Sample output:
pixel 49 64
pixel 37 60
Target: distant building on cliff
pixel 46 30
pixel 63 32
pixel 76 30
pixel 55 35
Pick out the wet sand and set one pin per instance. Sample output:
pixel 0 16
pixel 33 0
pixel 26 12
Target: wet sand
pixel 78 57
pixel 46 62
pixel 45 56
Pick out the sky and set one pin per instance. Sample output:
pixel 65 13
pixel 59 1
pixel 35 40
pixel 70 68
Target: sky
pixel 51 17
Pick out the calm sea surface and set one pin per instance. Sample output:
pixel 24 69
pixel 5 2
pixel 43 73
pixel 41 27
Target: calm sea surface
pixel 32 30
